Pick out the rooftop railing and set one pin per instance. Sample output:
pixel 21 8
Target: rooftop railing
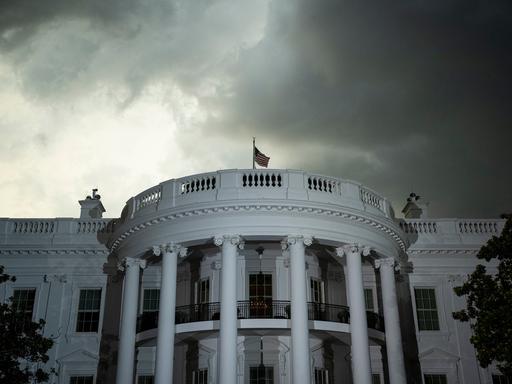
pixel 258 309
pixel 258 184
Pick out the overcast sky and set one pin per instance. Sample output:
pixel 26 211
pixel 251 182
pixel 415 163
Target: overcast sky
pixel 122 94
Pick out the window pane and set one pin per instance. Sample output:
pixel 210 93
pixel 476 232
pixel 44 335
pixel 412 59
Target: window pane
pixel 261 375
pixel 151 300
pixel 375 378
pixel 368 299
pixel 321 376
pixel 88 310
pixel 201 376
pixel 81 379
pixel 435 379
pixel 426 309
pixel 147 379
pixel 23 302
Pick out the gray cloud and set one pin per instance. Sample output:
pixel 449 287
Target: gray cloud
pixel 400 96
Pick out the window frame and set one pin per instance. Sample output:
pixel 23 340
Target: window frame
pixel 321 290
pixel 32 289
pixel 141 310
pixel 443 374
pixel 78 375
pixel 438 314
pixel 77 310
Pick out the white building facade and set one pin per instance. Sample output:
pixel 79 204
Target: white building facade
pixel 250 277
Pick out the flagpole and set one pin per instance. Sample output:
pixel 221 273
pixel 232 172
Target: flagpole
pixel 253 151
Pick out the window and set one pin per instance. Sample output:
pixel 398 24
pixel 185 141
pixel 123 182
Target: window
pixel 435 379
pixel 81 380
pixel 260 295
pixel 368 299
pixel 426 309
pixel 501 379
pixel 261 375
pixel 201 376
pixel 317 291
pixel 88 310
pixel 321 376
pixel 204 291
pixel 23 302
pixel 151 300
pixel 375 378
pixel 145 379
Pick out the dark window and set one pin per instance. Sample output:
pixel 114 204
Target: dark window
pixel 368 299
pixel 204 291
pixel 501 379
pixel 88 310
pixel 435 379
pixel 81 379
pixel 151 300
pixel 426 309
pixel 375 378
pixel 23 302
pixel 317 295
pixel 261 375
pixel 321 376
pixel 201 376
pixel 146 379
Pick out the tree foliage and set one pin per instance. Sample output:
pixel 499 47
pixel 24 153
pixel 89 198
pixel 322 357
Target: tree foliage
pixel 489 303
pixel 22 345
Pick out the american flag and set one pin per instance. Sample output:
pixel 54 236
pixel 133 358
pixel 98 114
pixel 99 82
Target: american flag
pixel 260 158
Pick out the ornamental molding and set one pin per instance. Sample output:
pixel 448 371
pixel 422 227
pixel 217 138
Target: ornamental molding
pixel 235 240
pixel 129 262
pixel 296 239
pixel 387 262
pixel 172 247
pixel 261 207
pixel 27 252
pixel 347 249
pixel 429 251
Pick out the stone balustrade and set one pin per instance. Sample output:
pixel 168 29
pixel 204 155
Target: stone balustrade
pixel 451 231
pixel 249 184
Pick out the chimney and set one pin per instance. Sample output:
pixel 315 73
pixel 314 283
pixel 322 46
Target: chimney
pixel 91 207
pixel 415 207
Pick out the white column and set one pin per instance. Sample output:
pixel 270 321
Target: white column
pixel 299 310
pixel 396 367
pixel 128 324
pixel 228 309
pixel 167 310
pixel 361 371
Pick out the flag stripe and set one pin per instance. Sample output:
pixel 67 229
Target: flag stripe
pixel 260 158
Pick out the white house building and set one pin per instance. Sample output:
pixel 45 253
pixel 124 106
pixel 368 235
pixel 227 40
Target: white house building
pixel 250 277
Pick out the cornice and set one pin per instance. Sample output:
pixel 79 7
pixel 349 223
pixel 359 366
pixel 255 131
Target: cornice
pixel 430 251
pixel 103 252
pixel 261 207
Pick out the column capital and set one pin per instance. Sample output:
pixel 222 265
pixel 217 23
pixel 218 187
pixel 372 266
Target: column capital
pixel 236 240
pixel 171 247
pixel 131 262
pixel 294 239
pixel 353 248
pixel 387 262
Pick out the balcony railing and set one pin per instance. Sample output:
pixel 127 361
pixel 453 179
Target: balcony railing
pixel 259 309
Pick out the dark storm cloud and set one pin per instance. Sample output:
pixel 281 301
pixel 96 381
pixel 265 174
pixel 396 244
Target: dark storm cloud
pixel 424 86
pixel 399 95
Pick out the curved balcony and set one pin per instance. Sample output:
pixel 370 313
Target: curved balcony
pixel 261 309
